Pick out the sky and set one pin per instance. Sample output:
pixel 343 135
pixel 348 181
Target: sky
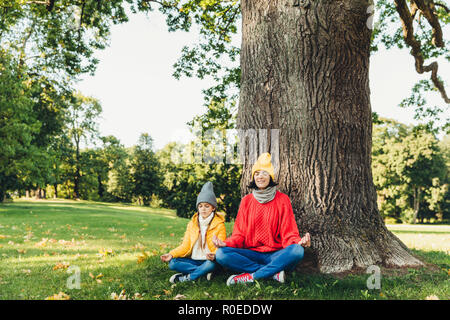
pixel 138 93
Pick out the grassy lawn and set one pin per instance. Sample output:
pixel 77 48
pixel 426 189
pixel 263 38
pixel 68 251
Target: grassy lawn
pixel 116 249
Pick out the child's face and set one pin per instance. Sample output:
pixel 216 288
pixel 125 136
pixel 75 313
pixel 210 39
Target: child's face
pixel 205 209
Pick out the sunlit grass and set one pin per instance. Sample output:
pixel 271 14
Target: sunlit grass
pixel 424 237
pixel 116 248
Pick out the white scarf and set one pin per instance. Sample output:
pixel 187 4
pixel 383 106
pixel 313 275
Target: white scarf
pixel 197 252
pixel 204 222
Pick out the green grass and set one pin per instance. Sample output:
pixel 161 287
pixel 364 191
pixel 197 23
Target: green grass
pixel 40 239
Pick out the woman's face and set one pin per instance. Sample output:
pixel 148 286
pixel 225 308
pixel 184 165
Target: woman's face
pixel 262 179
pixel 205 209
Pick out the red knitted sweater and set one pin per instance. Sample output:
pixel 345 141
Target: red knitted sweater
pixel 264 227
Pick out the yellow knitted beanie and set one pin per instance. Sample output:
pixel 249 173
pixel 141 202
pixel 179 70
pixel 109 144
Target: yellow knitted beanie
pixel 263 163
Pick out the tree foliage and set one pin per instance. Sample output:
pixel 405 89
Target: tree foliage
pixel 409 171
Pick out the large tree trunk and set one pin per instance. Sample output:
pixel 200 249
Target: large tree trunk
pixel 305 71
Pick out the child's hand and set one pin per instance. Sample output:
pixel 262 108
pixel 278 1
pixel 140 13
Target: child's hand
pixel 166 257
pixel 210 256
pixel 217 242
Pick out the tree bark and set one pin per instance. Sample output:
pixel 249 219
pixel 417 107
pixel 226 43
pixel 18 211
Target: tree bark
pixel 37 194
pixel 305 71
pixel 416 204
pixel 77 177
pixel 101 188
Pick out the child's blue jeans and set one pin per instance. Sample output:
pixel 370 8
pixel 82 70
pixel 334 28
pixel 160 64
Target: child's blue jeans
pixel 261 264
pixel 196 268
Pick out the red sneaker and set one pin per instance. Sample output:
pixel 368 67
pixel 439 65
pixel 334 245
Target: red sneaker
pixel 240 278
pixel 280 276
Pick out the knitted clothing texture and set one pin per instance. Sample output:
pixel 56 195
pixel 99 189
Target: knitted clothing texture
pixel 264 227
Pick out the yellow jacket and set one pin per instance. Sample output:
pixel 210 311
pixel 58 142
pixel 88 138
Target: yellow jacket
pixel 216 227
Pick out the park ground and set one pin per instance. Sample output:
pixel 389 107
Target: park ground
pixel 115 249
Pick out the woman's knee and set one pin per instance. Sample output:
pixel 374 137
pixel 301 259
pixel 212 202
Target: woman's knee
pixel 297 251
pixel 221 254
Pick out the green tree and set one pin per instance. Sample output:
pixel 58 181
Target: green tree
pixel 82 115
pixel 18 125
pixel 145 170
pixel 408 170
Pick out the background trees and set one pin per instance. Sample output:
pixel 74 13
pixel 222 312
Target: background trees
pixel 409 171
pixel 46 48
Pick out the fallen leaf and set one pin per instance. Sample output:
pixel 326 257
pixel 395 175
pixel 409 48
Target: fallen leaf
pixel 61 265
pixel 179 297
pixel 121 296
pixel 105 252
pixel 143 256
pixel 59 296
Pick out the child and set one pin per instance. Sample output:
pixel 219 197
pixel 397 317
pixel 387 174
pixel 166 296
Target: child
pixel 195 256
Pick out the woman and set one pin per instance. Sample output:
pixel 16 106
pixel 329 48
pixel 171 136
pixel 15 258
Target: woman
pixel 265 239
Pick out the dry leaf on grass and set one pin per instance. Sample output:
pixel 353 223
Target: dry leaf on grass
pixel 143 256
pixel 61 265
pixel 59 296
pixel 120 296
pixel 105 252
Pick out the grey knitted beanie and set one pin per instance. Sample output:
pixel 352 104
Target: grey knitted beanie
pixel 207 195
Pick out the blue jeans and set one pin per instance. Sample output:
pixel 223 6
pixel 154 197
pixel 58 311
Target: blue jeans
pixel 196 268
pixel 261 264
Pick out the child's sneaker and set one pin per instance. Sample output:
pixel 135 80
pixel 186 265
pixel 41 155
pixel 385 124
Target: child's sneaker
pixel 280 276
pixel 209 276
pixel 240 278
pixel 179 277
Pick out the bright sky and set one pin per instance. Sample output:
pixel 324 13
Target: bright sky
pixel 138 94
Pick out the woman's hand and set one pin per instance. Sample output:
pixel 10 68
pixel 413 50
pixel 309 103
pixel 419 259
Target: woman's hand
pixel 166 257
pixel 217 242
pixel 210 256
pixel 305 241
